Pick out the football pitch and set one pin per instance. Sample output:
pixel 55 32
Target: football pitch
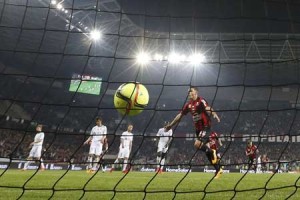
pixel 145 185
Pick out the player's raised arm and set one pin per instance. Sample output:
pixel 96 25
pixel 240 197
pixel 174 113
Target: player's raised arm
pixel 210 111
pixel 219 141
pixel 175 121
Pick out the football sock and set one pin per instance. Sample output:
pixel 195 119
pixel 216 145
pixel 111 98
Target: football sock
pixel 158 161
pixel 162 163
pixel 96 160
pixel 90 160
pixel 125 164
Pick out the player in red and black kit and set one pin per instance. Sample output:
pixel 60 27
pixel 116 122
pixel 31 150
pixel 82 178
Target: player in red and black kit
pixel 214 142
pixel 251 151
pixel 201 113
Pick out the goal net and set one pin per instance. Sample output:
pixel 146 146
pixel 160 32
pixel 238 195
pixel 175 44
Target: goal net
pixel 61 62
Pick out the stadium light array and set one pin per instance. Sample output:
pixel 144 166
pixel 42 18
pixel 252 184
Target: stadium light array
pixel 95 35
pixel 173 57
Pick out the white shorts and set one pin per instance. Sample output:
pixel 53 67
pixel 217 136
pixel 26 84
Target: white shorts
pixel 36 151
pixel 96 148
pixel 124 153
pixel 161 147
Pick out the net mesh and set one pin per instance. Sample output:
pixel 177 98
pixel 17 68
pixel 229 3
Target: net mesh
pixel 53 73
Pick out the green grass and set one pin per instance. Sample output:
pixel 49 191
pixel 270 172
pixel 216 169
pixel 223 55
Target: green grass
pixel 76 184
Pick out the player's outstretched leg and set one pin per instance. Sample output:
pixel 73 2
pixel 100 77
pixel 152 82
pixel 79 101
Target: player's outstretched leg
pixel 219 172
pixel 95 163
pixel 113 165
pixel 90 162
pixel 125 171
pixel 158 161
pixel 211 153
pixel 42 166
pixel 162 163
pixel 28 162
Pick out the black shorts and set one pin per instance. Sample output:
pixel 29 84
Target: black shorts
pixel 203 135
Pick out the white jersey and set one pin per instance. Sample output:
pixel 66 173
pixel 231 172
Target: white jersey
pixel 258 160
pixel 164 137
pixel 98 132
pixel 127 138
pixel 39 139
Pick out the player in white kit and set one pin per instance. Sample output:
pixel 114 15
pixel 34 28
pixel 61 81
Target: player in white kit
pixel 96 140
pixel 36 148
pixel 258 168
pixel 165 138
pixel 124 149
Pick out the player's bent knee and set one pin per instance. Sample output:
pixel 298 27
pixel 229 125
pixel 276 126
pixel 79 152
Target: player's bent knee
pixel 197 144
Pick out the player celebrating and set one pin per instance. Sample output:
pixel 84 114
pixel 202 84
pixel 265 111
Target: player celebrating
pixel 201 113
pixel 124 149
pixel 251 151
pixel 214 142
pixel 36 148
pixel 165 138
pixel 96 140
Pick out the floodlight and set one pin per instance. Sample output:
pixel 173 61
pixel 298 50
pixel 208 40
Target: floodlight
pixel 59 6
pixel 95 35
pixel 158 57
pixel 197 58
pixel 174 58
pixel 143 58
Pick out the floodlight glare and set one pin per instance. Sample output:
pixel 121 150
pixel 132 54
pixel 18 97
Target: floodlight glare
pixel 197 59
pixel 53 2
pixel 59 6
pixel 143 58
pixel 95 35
pixel 182 58
pixel 174 58
pixel 158 57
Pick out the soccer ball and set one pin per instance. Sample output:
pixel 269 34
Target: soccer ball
pixel 131 98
